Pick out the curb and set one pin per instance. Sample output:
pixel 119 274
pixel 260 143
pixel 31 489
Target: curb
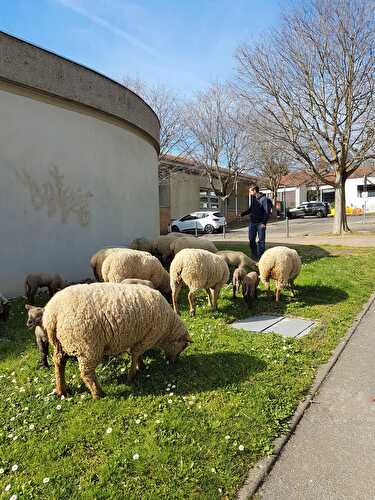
pixel 260 471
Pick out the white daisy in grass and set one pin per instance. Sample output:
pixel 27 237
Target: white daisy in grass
pixel 173 387
pixel 13 373
pixel 171 394
pixel 58 407
pixel 15 438
pixel 8 487
pixel 22 389
pixel 12 419
pixel 2 470
pixel 10 436
pixel 109 430
pixel 136 456
pixel 241 447
pixel 213 469
pixel 31 427
pixel 45 480
pixel 14 468
pixel 138 421
pixel 170 401
pixel 13 497
pixel 62 398
pixel 227 437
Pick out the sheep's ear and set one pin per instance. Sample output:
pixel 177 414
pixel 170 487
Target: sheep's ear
pixel 28 307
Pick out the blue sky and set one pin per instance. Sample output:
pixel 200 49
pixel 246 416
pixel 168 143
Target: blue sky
pixel 185 44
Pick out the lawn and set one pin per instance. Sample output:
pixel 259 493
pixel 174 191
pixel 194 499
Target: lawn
pixel 189 431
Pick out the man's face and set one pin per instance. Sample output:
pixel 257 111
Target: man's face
pixel 252 191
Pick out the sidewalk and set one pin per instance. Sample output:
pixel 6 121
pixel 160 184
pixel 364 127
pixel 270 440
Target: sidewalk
pixel 331 456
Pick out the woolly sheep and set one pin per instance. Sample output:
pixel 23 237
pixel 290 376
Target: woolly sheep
pixel 189 242
pixel 238 276
pixel 136 264
pixel 238 259
pixel 34 320
pixel 34 281
pixel 198 269
pixel 249 286
pixel 136 281
pixel 4 308
pixel 160 246
pixel 282 264
pixel 97 260
pixel 91 321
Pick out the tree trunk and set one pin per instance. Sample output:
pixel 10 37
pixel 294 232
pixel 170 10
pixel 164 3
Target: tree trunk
pixel 340 223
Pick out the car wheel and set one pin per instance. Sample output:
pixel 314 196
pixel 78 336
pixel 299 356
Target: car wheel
pixel 175 229
pixel 209 229
pixel 320 214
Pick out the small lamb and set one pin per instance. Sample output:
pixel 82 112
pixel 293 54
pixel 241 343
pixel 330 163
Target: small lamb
pixel 249 287
pixel 238 276
pixel 33 281
pixel 34 320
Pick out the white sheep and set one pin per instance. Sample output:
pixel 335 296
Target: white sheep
pixel 91 321
pixel 137 281
pixel 238 259
pixel 282 264
pixel 160 246
pixel 135 264
pixel 98 258
pixel 190 242
pixel 198 269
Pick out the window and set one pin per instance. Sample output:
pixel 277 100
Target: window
pixel 208 199
pixel 369 188
pixel 188 217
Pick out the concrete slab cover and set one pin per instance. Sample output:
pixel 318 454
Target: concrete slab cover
pixel 290 327
pixel 257 323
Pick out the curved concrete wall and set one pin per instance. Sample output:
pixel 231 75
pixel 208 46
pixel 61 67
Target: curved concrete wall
pixel 72 180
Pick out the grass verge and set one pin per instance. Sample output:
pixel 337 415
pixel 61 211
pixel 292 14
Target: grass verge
pixel 191 431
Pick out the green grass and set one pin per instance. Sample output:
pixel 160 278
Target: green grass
pixel 227 383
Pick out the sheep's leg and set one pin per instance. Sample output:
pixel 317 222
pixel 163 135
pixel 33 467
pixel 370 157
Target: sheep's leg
pixel 234 291
pixel 175 292
pixel 43 350
pixel 136 362
pixel 59 360
pixel 215 295
pixel 291 283
pixel 208 291
pixel 191 302
pixel 278 290
pixel 87 371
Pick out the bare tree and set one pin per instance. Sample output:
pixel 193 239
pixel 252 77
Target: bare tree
pixel 217 142
pixel 168 107
pixel 311 86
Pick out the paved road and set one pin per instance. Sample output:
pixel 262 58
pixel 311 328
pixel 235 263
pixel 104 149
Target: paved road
pixel 331 456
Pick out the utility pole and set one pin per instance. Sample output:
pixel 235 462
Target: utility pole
pixel 364 195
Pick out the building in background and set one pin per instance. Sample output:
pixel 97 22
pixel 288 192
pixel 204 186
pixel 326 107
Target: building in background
pixel 183 188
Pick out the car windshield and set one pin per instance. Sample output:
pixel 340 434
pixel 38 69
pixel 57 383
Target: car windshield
pixel 217 214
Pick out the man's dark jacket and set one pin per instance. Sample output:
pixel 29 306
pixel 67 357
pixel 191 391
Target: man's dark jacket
pixel 258 209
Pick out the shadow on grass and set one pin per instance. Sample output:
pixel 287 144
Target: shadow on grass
pixel 192 373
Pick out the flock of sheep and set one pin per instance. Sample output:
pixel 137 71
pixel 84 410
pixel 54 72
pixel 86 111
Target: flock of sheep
pixel 128 308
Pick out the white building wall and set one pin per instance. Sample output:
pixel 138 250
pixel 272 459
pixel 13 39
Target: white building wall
pixel 70 183
pixel 354 199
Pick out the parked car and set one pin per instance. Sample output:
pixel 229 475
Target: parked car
pixel 207 221
pixel 316 208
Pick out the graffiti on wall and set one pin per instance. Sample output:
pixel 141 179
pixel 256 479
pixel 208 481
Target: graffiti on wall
pixel 52 194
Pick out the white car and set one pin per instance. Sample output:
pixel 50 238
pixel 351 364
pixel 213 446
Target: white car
pixel 207 221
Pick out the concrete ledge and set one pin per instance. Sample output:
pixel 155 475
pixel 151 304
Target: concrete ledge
pixel 27 65
pixel 258 474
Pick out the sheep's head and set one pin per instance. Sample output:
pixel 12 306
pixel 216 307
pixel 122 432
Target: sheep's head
pixel 34 316
pixel 176 343
pixel 142 244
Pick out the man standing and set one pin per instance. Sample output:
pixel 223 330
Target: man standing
pixel 259 211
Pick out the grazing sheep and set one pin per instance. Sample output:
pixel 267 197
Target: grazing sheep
pixel 238 276
pixel 136 281
pixel 198 269
pixel 4 308
pixel 136 264
pixel 249 287
pixel 34 320
pixel 190 242
pixel 91 321
pixel 97 260
pixel 159 247
pixel 34 281
pixel 238 259
pixel 282 264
